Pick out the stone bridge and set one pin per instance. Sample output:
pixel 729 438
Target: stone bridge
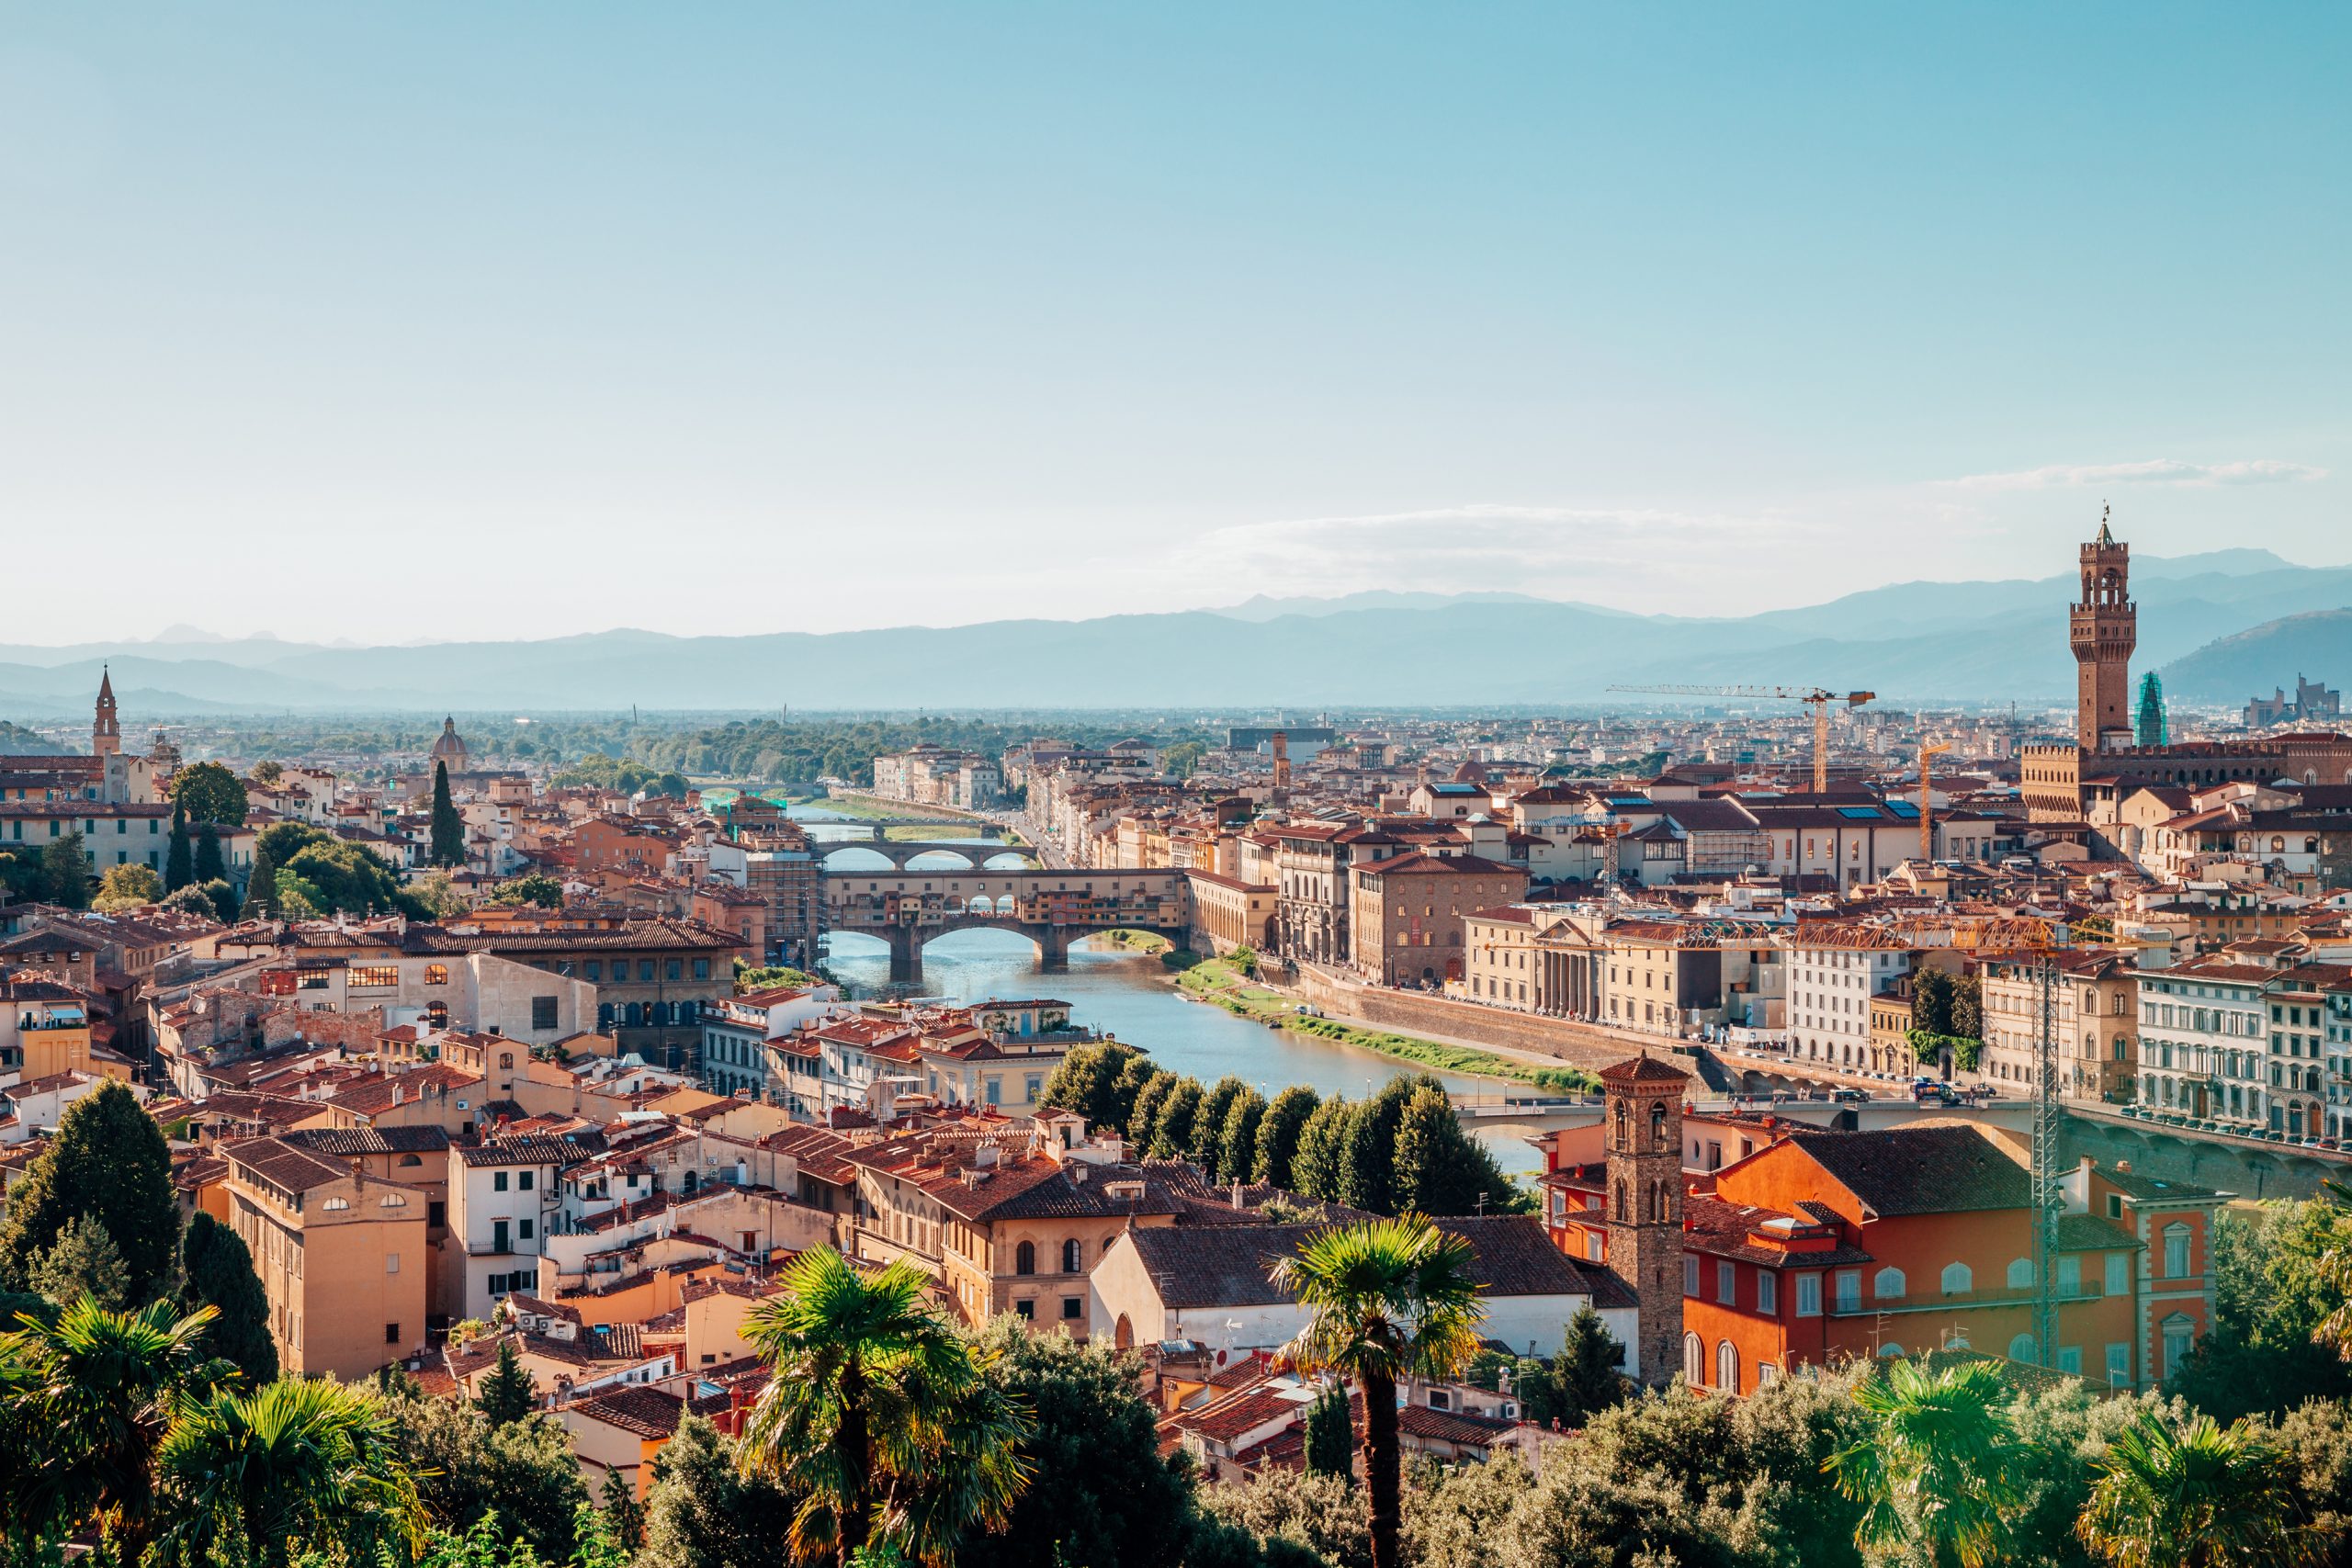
pixel 1052 909
pixel 900 851
pixel 858 831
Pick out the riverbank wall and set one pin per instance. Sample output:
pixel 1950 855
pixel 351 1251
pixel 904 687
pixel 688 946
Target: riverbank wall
pixel 1407 1012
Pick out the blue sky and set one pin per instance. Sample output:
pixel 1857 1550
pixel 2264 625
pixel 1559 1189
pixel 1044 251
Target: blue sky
pixel 548 318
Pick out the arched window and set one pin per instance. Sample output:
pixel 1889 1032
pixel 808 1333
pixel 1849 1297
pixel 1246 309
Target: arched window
pixel 1959 1280
pixel 1891 1350
pixel 1624 1126
pixel 2023 1348
pixel 1694 1361
pixel 1658 1125
pixel 1073 1256
pixel 1886 1285
pixel 1624 1211
pixel 1727 1366
pixel 1024 1258
pixel 2021 1274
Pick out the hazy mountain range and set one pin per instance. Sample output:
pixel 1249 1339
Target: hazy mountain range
pixel 2220 625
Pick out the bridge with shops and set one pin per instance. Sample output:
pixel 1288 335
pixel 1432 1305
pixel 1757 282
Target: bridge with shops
pixel 909 909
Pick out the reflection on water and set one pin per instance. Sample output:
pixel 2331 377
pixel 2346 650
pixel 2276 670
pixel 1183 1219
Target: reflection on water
pixel 1130 996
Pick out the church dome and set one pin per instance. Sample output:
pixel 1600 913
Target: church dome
pixel 448 748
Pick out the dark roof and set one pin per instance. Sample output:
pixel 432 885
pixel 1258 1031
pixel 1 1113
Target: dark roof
pixel 2148 1190
pixel 1919 1170
pixel 538 1149
pixel 1203 1266
pixel 1644 1068
pixel 344 1142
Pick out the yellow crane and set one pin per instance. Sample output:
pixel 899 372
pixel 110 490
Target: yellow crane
pixel 1814 698
pixel 1927 802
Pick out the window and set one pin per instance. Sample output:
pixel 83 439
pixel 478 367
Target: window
pixel 671 970
pixel 543 1013
pixel 1727 1366
pixel 1726 1282
pixel 2023 1349
pixel 2020 1276
pixel 2181 1337
pixel 1958 1279
pixel 391 1334
pixel 1073 1257
pixel 594 969
pixel 1849 1290
pixel 1024 1258
pixel 1767 1374
pixel 436 973
pixel 1808 1295
pixel 374 978
pixel 1694 1361
pixel 1073 1308
pixel 1768 1294
pixel 2175 1252
pixel 498 1181
pixel 2118 1366
pixel 702 969
pixel 1690 1276
pixel 1886 1285
pixel 2070 1273
pixel 1026 1310
pixel 523 1179
pixel 644 969
pixel 391 1263
pixel 2070 1360
pixel 2119 1273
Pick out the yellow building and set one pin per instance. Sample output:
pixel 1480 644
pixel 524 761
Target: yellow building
pixel 342 1255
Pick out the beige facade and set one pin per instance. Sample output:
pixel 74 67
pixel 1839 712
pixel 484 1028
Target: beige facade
pixel 342 1255
pixel 1406 923
pixel 1230 913
pixel 2095 1004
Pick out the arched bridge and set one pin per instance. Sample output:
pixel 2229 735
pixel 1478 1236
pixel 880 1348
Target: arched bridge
pixel 899 851
pixel 1052 909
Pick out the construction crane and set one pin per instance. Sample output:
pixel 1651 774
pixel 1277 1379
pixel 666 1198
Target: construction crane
pixel 1813 696
pixel 1927 801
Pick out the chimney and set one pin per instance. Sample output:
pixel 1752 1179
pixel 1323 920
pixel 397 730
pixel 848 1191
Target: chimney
pixel 2123 1167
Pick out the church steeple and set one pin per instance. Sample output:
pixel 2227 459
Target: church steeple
pixel 106 736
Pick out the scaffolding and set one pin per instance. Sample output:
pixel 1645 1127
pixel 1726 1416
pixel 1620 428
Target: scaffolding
pixel 2049 1195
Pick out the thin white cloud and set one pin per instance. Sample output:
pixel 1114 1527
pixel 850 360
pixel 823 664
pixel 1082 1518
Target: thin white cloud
pixel 1538 549
pixel 2156 471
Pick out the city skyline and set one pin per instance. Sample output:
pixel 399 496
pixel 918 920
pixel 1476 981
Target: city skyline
pixel 1073 314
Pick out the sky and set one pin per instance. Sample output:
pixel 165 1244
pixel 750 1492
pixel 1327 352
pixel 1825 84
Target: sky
pixel 421 321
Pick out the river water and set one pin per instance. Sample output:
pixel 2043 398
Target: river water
pixel 1131 997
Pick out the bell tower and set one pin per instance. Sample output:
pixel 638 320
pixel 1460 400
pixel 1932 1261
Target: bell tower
pixel 2103 627
pixel 106 736
pixel 1642 1146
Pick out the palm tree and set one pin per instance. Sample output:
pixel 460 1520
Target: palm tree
pixel 1386 1300
pixel 102 1386
pixel 299 1460
pixel 2199 1494
pixel 1937 1464
pixel 878 1412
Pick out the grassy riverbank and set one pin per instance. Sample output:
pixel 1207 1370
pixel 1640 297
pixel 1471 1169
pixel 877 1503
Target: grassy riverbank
pixel 1218 981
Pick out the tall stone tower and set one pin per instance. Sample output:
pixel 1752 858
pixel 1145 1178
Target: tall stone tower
pixel 1642 1144
pixel 2104 626
pixel 106 736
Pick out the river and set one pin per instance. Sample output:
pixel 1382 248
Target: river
pixel 1131 996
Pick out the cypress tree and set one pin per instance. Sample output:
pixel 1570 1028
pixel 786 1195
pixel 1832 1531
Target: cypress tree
pixel 1330 1436
pixel 261 883
pixel 1587 1368
pixel 448 846
pixel 208 867
pixel 507 1393
pixel 217 1272
pixel 107 1162
pixel 179 869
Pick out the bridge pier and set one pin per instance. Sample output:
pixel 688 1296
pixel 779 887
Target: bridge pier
pixel 1053 948
pixel 906 956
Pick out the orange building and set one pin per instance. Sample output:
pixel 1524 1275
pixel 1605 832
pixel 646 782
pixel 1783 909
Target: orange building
pixel 1822 1246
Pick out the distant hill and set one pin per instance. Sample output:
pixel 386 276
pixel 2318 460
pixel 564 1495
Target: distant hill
pixel 1909 641
pixel 2262 659
pixel 18 742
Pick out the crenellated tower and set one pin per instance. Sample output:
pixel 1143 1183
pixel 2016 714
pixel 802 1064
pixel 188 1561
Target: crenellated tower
pixel 2103 627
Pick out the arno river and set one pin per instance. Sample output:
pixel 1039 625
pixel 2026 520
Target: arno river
pixel 1129 995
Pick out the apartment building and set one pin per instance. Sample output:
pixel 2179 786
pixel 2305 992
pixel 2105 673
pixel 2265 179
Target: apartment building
pixel 2095 1001
pixel 2204 1041
pixel 342 1255
pixel 1834 970
pixel 504 1193
pixel 1405 922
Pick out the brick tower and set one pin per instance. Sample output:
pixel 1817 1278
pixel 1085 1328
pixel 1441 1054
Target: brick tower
pixel 2104 626
pixel 1642 1142
pixel 106 736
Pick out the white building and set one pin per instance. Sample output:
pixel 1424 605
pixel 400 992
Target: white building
pixel 2204 1042
pixel 503 1194
pixel 1832 975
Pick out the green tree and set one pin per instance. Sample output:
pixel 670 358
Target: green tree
pixel 226 905
pixel 438 897
pixel 210 793
pixel 2195 1494
pixel 704 1510
pixel 1138 1071
pixel 1368 1165
pixel 267 772
pixel 1143 1117
pixel 191 900
pixel 1968 1008
pixel 210 865
pixel 99 1388
pixel 83 1263
pixel 261 883
pixel 1106 1496
pixel 1204 1139
pixel 880 1411
pixel 524 1474
pixel 1330 1435
pixel 623 1513
pixel 1318 1163
pixel 2273 1296
pixel 217 1272
pixel 1386 1300
pixel 107 1162
pixel 535 889
pixel 1087 1081
pixel 1237 1155
pixel 284 1469
pixel 1439 1169
pixel 448 847
pixel 126 886
pixel 65 873
pixel 1937 1466
pixel 1586 1370
pixel 1294 1520
pixel 179 867
pixel 1278 1134
pixel 1172 1135
pixel 1931 1002
pixel 506 1391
